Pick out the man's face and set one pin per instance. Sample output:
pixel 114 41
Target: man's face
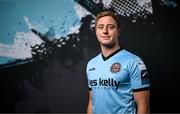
pixel 107 31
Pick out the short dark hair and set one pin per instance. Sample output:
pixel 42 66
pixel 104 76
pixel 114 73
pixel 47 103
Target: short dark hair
pixel 108 13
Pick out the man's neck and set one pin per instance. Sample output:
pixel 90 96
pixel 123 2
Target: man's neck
pixel 108 51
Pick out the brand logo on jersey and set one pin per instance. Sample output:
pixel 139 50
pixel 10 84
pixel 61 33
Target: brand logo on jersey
pixel 105 83
pixel 115 67
pixel 91 69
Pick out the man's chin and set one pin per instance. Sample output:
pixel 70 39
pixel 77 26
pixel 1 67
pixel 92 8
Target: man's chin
pixel 107 45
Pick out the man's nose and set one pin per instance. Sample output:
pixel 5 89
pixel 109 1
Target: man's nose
pixel 105 30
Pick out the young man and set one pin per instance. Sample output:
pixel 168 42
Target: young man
pixel 118 79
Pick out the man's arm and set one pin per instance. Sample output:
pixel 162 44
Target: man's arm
pixel 142 101
pixel 89 110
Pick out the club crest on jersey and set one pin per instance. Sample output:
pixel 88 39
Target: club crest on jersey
pixel 115 68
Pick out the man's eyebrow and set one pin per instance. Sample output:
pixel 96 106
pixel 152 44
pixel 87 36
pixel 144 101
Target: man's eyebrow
pixel 100 24
pixel 111 25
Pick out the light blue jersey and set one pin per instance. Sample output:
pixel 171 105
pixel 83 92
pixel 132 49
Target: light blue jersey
pixel 113 80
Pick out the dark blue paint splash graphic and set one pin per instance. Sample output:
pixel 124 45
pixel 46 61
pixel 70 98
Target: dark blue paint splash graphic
pixel 58 63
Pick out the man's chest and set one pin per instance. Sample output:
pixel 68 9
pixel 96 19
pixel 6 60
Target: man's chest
pixel 113 75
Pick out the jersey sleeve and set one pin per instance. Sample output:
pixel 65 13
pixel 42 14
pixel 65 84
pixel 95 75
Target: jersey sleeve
pixel 139 75
pixel 87 74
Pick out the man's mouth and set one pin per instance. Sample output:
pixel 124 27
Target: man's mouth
pixel 106 37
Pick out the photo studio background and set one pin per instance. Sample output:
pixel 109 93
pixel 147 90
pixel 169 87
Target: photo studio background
pixel 46 44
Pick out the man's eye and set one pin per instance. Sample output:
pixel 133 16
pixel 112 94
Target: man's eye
pixel 111 27
pixel 100 27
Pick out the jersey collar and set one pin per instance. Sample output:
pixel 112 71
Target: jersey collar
pixel 106 58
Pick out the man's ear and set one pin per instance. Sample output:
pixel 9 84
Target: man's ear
pixel 119 30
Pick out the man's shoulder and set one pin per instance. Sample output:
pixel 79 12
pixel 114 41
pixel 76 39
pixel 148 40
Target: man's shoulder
pixel 95 59
pixel 129 56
